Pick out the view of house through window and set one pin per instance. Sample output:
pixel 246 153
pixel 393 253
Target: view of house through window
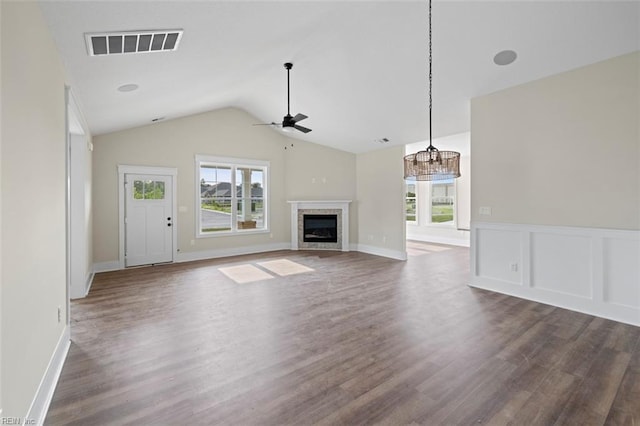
pixel 232 196
pixel 410 202
pixel 429 202
pixel 442 201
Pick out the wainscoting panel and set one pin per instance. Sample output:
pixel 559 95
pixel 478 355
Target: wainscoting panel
pixel 624 283
pixel 497 251
pixel 590 270
pixel 561 263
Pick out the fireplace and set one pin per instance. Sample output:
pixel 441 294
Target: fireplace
pixel 320 228
pixel 320 225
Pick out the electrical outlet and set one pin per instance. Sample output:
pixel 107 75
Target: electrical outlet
pixel 513 267
pixel 192 242
pixel 485 211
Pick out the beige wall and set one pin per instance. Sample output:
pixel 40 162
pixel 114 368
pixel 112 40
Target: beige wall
pixel 314 172
pixel 563 150
pixel 33 281
pixel 229 133
pixel 380 202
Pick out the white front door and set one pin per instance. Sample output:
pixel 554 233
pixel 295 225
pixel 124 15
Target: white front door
pixel 148 219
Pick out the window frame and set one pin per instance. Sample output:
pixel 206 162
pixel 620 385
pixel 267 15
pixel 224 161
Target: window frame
pixel 424 203
pixel 415 201
pixel 234 164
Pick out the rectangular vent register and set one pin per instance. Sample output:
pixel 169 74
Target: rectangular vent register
pixel 132 42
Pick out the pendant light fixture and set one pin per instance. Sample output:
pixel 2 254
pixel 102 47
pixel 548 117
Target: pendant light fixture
pixel 431 164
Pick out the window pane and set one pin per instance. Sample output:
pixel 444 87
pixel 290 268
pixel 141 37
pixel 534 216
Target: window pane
pixel 442 202
pixel 250 194
pixel 153 190
pixel 215 215
pixel 138 190
pixel 410 202
pixel 215 198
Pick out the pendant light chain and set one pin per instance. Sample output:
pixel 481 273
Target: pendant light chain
pixel 431 164
pixel 430 81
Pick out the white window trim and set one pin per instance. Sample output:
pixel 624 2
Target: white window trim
pixel 423 207
pixel 234 163
pixel 415 222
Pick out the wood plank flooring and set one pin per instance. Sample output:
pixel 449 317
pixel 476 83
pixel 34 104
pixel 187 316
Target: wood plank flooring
pixel 351 339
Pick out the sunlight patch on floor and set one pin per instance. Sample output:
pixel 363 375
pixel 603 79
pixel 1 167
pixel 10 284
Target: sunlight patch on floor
pixel 242 274
pixel 284 267
pixel 420 249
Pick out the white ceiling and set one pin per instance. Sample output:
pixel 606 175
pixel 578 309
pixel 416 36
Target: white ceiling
pixel 360 67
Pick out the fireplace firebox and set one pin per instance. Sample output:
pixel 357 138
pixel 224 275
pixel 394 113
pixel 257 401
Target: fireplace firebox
pixel 320 228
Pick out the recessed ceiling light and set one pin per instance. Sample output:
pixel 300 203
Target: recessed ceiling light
pixel 382 140
pixel 505 57
pixel 128 87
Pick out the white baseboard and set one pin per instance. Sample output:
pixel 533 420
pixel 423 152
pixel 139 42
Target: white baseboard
pixel 113 265
pixel 381 251
pixel 237 251
pixel 88 284
pixel 226 252
pixel 440 240
pixel 40 404
pixel 589 270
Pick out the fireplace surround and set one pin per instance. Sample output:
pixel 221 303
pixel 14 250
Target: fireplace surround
pixel 320 210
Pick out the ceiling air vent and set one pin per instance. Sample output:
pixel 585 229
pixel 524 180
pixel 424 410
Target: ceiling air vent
pixel 132 42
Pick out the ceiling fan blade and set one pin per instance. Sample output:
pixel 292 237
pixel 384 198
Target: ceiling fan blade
pixel 302 129
pixel 299 117
pixel 266 124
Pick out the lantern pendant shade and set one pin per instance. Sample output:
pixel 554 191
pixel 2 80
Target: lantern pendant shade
pixel 432 164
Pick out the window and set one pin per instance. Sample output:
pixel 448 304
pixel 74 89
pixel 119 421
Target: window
pixel 148 190
pixel 442 201
pixel 430 202
pixel 232 195
pixel 410 202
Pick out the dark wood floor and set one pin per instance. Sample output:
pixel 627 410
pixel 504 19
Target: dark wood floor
pixel 350 339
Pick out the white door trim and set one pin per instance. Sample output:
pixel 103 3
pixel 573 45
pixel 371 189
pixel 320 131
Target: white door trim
pixel 145 170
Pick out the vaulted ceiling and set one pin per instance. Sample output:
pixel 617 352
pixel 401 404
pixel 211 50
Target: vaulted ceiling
pixel 360 67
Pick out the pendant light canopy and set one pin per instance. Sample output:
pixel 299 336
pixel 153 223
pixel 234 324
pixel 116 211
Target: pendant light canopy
pixel 431 164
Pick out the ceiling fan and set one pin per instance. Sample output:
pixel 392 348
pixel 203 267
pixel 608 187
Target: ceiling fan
pixel 288 122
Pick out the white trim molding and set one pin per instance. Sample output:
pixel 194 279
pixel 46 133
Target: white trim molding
pixel 226 252
pixel 40 404
pixel 384 252
pixel 591 270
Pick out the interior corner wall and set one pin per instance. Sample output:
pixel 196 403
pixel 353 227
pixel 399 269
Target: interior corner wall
pixel 380 202
pixel 33 205
pixel 227 133
pixel 317 172
pixel 557 162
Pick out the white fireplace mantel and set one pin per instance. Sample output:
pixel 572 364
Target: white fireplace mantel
pixel 342 205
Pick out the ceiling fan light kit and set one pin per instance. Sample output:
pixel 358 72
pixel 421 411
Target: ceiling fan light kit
pixel 431 164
